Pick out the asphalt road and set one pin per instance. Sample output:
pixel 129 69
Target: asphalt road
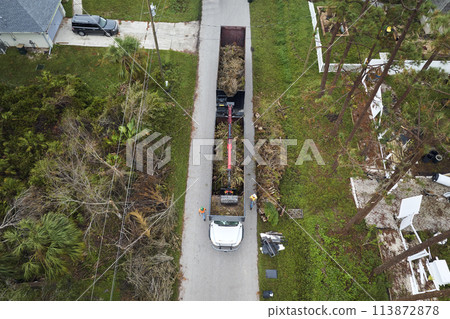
pixel 207 273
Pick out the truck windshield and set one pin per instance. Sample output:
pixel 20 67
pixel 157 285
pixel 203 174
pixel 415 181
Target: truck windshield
pixel 102 22
pixel 226 223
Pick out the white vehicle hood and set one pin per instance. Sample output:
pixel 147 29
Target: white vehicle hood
pixel 226 235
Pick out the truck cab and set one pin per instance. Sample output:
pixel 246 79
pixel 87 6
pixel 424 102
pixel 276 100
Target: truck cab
pixel 226 230
pixel 226 235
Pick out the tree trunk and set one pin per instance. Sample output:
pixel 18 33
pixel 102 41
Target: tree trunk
pixel 413 250
pixel 379 195
pixel 378 84
pixel 341 63
pixel 344 55
pixel 311 47
pixel 356 84
pixel 326 66
pixel 426 295
pixel 416 78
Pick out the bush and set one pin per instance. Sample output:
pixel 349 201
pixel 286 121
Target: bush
pixel 271 212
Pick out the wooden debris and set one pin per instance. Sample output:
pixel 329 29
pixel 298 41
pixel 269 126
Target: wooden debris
pixel 231 69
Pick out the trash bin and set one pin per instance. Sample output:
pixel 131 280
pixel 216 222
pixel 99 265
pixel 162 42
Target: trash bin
pixel 21 48
pixel 427 158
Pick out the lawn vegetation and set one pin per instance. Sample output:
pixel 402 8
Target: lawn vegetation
pixel 137 10
pixel 60 130
pixel 317 263
pixel 68 7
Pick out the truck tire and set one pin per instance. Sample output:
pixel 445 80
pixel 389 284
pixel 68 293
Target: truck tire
pixel 81 33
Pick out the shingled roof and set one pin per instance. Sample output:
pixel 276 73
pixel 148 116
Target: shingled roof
pixel 26 15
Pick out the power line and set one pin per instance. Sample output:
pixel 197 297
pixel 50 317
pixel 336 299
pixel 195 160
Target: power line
pixel 144 87
pixel 125 207
pixel 114 173
pixel 137 239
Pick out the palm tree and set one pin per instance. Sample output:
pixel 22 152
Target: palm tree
pixel 123 53
pixel 6 264
pixel 46 246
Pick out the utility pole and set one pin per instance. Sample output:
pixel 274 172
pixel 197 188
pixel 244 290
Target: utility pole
pixel 150 7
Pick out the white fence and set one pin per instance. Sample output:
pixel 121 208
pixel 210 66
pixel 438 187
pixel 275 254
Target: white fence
pixel 409 64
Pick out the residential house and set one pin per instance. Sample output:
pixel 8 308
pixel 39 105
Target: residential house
pixel 30 23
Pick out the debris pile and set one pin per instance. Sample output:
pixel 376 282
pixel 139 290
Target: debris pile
pixel 269 177
pixel 231 69
pixel 272 243
pixel 269 174
pixel 220 175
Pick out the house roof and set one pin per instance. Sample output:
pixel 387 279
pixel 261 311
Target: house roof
pixel 26 15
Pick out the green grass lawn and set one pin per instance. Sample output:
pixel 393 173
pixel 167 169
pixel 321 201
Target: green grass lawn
pixel 305 271
pixel 137 10
pixel 68 7
pixel 87 63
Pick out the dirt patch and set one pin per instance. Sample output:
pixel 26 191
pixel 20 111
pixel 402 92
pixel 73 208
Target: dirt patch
pixel 226 210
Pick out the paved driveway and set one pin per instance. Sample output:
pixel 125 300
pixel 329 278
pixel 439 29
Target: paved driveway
pixel 209 274
pixel 181 36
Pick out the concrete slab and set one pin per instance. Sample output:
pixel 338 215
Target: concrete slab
pixel 77 6
pixel 433 213
pixel 271 273
pixel 182 36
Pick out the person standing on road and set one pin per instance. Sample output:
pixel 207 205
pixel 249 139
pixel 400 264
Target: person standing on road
pixel 253 199
pixel 202 211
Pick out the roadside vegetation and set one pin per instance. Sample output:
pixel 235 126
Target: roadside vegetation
pixel 137 10
pixel 65 183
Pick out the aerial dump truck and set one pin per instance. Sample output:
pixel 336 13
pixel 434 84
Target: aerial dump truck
pixel 227 213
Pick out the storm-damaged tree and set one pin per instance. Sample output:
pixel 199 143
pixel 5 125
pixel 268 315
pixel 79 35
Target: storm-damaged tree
pixel 424 123
pixel 411 251
pixel 353 34
pixel 399 172
pixel 412 17
pixel 391 15
pixel 439 24
pixel 336 9
pixel 372 22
